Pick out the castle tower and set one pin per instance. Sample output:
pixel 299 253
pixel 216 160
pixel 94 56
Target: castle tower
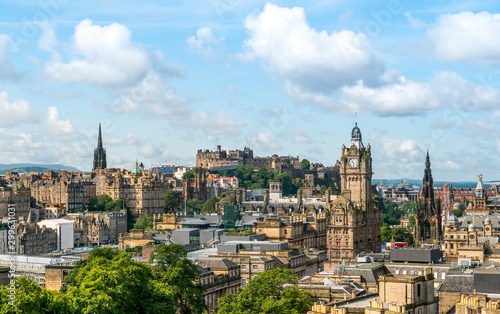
pixel 428 214
pixel 99 154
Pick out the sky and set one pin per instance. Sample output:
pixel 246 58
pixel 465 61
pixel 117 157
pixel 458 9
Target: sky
pixel 166 78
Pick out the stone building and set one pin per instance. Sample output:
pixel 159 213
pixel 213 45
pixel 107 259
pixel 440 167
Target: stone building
pixel 255 257
pixel 428 215
pixel 98 228
pixel 35 240
pixel 220 276
pixel 142 192
pixel 136 237
pixel 220 159
pixel 19 196
pixel 478 304
pixel 299 230
pixel 472 236
pixel 405 294
pixel 354 219
pixel 69 194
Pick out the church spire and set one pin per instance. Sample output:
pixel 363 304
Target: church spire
pixel 99 154
pixel 99 139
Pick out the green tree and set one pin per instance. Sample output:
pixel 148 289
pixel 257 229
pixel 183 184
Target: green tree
pixel 305 164
pixel 172 199
pixel 181 275
pixel 457 212
pixel 385 233
pixel 30 298
pixel 110 282
pixel 144 222
pixel 167 255
pixel 209 205
pixel 266 294
pixel 411 222
pixel 194 205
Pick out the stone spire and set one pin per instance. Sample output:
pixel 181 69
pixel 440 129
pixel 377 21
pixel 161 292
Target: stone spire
pixel 99 154
pixel 428 214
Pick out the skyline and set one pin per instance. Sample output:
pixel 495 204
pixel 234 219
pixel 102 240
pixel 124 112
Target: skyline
pixel 280 77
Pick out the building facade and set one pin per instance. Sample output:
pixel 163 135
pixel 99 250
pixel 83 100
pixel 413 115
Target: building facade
pixel 354 218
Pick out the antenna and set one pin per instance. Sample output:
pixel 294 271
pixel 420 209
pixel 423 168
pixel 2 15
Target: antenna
pixel 355 118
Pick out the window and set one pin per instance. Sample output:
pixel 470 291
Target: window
pixel 286 231
pixel 436 275
pixel 243 267
pixel 419 292
pixel 451 236
pixel 404 272
pixel 255 267
pixel 243 282
pixel 443 276
pixel 458 237
pixel 451 245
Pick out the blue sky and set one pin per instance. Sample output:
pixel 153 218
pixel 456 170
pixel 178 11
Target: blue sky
pixel 287 77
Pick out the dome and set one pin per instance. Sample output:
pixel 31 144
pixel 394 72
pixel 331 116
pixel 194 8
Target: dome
pixel 136 169
pixel 356 137
pixel 487 220
pixel 457 204
pixel 471 227
pixel 470 205
pixel 356 132
pixel 452 219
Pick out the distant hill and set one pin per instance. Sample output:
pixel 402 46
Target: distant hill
pixel 458 184
pixel 27 168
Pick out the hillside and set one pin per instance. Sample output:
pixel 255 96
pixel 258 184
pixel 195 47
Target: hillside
pixel 27 168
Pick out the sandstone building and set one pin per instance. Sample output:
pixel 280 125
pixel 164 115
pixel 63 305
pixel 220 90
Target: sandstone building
pixel 354 217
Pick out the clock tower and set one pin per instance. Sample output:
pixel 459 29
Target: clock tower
pixel 356 170
pixel 355 218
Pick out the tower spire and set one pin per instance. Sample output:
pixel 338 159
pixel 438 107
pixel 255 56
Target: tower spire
pixel 99 153
pixel 99 139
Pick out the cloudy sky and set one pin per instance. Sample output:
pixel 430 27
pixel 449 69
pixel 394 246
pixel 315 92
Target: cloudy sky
pixel 166 78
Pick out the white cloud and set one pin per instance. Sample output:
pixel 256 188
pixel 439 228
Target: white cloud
pixel 479 129
pixel 17 111
pixel 467 36
pixel 303 56
pixel 105 56
pixel 404 151
pixel 407 97
pixel 451 165
pixel 217 124
pixel 57 126
pixel 264 140
pixel 415 23
pixel 8 71
pixel 153 94
pixel 299 136
pixel 201 42
pixel 25 141
pixel 48 40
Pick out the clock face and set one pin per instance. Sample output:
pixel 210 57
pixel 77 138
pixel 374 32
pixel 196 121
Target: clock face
pixel 353 163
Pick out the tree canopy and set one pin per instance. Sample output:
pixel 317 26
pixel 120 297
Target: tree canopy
pixel 144 222
pixel 266 294
pixel 305 164
pixel 179 273
pixel 172 199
